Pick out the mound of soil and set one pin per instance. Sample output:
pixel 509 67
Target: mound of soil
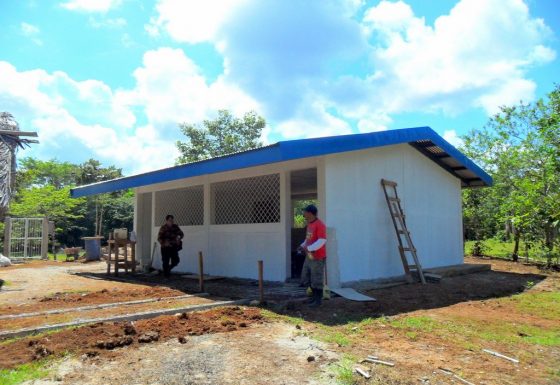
pixel 104 338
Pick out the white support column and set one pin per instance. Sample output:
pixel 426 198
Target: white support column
pixel 135 220
pixel 286 218
pixel 321 193
pixel 153 221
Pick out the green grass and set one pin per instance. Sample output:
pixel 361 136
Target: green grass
pixel 541 304
pixel 284 318
pixel 333 336
pixel 62 257
pixel 422 323
pixel 26 372
pixel 343 370
pixel 500 249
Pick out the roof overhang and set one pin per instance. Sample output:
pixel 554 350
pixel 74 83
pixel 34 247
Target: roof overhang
pixel 423 139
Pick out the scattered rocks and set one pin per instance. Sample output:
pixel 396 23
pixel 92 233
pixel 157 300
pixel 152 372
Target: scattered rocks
pixel 148 337
pixel 114 343
pixel 243 324
pixel 129 330
pixel 90 354
pixel 41 351
pixel 182 340
pixel 310 358
pixel 182 315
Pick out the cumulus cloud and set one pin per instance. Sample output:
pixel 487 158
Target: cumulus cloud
pixel 171 88
pixel 284 54
pixel 191 21
pixel 452 137
pixel 98 120
pixel 474 56
pixel 91 5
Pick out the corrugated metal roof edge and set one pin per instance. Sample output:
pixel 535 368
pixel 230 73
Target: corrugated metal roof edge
pixel 283 151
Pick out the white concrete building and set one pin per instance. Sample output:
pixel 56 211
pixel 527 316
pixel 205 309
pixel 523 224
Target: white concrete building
pixel 238 209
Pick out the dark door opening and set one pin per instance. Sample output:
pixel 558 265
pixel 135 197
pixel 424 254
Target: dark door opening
pixel 303 191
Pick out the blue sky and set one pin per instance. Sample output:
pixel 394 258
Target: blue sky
pixel 111 79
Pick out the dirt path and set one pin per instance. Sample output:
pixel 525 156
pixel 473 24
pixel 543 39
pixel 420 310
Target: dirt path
pixel 265 354
pixel 38 280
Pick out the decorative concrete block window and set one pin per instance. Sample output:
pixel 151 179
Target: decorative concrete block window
pixel 185 204
pixel 247 200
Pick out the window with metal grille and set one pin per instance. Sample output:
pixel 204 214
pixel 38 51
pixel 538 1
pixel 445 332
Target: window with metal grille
pixel 247 200
pixel 185 204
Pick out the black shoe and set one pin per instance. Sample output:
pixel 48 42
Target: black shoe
pixel 317 298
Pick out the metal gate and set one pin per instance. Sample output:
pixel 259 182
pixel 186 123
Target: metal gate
pixel 26 238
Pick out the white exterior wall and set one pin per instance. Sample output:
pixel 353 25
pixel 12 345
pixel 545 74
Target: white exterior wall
pixel 233 250
pixel 366 244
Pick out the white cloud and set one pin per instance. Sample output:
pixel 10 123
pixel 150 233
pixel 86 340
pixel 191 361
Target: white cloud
pixel 91 5
pixel 31 31
pixel 171 88
pixel 474 56
pixel 89 119
pixel 282 54
pixel 71 116
pixel 312 122
pixel 452 137
pixel 191 21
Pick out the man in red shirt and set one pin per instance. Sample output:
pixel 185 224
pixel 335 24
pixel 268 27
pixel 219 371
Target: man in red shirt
pixel 315 249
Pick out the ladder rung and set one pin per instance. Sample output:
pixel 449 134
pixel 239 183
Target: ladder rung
pixel 388 183
pixel 413 267
pixel 408 249
pixel 393 199
pixel 398 215
pixel 403 231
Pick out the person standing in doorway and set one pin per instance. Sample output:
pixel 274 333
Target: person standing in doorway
pixel 315 249
pixel 170 237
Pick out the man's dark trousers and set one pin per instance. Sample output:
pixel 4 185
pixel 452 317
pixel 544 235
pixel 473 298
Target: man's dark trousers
pixel 169 254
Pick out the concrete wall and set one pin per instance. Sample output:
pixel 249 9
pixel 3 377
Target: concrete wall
pixel 233 250
pixel 366 244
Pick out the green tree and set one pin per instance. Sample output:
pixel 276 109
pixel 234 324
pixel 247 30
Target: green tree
pixel 519 146
pixel 57 205
pixel 34 172
pixel 222 136
pixel 43 190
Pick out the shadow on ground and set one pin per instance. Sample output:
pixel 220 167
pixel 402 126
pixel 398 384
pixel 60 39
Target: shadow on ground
pixel 390 301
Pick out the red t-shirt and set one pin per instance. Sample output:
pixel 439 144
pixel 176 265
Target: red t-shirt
pixel 316 230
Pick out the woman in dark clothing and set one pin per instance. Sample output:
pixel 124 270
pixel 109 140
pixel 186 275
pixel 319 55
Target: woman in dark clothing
pixel 170 238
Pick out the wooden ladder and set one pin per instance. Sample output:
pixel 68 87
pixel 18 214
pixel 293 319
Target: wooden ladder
pixel 403 235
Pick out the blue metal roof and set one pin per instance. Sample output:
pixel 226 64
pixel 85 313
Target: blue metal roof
pixel 424 139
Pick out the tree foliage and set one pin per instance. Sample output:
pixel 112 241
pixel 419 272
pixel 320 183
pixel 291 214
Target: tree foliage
pixel 221 136
pixel 43 189
pixel 520 147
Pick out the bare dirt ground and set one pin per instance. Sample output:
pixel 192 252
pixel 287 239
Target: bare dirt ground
pixel 418 327
pixel 262 354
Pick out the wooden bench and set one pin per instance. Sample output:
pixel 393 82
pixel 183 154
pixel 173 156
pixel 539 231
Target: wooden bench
pixel 118 260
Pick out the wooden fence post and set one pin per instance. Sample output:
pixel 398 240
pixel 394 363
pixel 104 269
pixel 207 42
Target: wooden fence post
pixel 261 286
pixel 201 271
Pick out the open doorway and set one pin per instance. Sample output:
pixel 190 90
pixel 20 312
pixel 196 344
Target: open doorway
pixel 303 191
